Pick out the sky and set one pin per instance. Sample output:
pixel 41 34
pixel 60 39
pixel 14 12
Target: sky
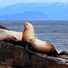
pixel 54 9
pixel 4 3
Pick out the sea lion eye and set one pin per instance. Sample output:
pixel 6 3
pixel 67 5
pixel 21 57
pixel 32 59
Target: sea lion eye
pixel 26 23
pixel 30 39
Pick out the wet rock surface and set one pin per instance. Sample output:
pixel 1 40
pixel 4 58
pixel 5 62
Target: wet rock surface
pixel 1 27
pixel 12 55
pixel 15 56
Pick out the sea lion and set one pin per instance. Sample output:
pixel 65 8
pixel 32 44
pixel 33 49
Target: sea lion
pixel 63 53
pixel 11 36
pixel 37 44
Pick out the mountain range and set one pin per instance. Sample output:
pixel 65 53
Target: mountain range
pixel 28 15
pixel 33 11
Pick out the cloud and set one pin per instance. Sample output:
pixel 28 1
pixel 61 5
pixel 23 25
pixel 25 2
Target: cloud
pixel 4 3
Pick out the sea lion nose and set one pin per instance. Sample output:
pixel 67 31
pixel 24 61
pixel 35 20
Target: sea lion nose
pixel 25 23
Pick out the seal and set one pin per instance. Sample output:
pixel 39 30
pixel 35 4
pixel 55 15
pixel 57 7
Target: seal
pixel 63 53
pixel 11 36
pixel 37 44
pixel 8 34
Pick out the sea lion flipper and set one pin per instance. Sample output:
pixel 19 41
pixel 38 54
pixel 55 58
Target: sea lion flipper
pixel 36 53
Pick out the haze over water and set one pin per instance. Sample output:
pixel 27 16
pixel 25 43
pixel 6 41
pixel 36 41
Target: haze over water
pixel 54 32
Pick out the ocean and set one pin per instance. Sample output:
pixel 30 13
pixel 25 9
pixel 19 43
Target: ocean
pixel 54 32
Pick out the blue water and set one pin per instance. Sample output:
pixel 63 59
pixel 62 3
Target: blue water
pixel 54 32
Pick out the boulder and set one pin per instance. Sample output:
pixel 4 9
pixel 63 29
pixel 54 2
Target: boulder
pixel 16 56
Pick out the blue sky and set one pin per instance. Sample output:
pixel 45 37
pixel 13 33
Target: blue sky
pixel 4 3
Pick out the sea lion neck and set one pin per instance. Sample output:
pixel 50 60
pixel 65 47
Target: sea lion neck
pixel 29 32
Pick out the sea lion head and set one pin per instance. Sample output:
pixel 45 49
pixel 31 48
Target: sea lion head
pixel 28 33
pixel 27 25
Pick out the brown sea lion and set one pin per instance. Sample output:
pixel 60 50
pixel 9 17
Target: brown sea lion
pixel 11 36
pixel 63 53
pixel 37 44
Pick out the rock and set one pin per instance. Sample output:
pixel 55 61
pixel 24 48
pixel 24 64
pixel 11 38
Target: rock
pixel 6 54
pixel 20 57
pixel 46 62
pixel 12 55
pixel 63 53
pixel 15 56
pixel 1 27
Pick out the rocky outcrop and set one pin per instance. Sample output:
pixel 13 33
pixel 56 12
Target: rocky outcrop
pixel 1 27
pixel 15 56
